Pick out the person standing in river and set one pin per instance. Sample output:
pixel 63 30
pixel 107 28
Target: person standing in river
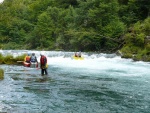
pixel 43 65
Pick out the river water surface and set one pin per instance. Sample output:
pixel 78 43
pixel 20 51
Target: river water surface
pixel 101 83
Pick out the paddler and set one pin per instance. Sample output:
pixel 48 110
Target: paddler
pixel 79 54
pixel 76 55
pixel 27 58
pixel 33 60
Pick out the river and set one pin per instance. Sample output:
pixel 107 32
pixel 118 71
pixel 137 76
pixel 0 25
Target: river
pixel 101 83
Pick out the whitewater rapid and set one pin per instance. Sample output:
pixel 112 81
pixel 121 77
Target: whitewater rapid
pixel 93 62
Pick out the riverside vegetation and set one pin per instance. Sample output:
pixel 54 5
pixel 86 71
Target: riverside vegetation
pixel 1 74
pixel 10 59
pixel 73 25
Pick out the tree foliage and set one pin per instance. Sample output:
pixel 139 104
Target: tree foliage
pixel 87 25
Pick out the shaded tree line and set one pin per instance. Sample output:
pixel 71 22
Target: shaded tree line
pixel 71 25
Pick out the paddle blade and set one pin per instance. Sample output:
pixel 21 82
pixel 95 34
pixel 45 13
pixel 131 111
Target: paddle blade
pixel 20 61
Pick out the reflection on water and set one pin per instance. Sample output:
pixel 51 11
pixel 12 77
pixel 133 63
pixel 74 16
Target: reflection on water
pixel 110 85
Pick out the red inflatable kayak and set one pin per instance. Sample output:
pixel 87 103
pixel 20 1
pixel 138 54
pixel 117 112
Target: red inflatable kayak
pixel 32 65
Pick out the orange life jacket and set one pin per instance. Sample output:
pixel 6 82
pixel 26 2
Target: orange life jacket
pixel 27 58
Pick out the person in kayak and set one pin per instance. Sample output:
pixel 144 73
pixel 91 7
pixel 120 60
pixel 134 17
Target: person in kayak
pixel 27 58
pixel 76 55
pixel 43 64
pixel 33 61
pixel 79 54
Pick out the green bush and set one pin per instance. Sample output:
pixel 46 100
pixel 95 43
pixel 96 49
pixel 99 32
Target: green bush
pixel 148 49
pixel 12 45
pixel 19 58
pixel 1 74
pixel 136 46
pixel 1 58
pixel 9 59
pixel 140 40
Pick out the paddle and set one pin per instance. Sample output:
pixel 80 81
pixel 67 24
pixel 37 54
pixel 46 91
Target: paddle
pixel 37 68
pixel 20 61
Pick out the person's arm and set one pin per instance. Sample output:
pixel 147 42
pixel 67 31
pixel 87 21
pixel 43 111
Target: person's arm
pixel 41 63
pixel 45 61
pixel 36 60
pixel 30 59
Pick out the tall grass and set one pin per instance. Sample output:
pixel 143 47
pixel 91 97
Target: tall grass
pixel 1 74
pixel 10 59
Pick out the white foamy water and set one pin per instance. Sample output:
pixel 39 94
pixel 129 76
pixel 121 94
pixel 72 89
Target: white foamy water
pixel 1 1
pixel 95 63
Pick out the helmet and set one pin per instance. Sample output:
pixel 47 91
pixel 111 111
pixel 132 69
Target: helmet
pixel 33 53
pixel 41 53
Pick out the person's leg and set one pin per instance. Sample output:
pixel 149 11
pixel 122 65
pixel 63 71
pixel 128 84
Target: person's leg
pixel 31 65
pixel 46 71
pixel 42 72
pixel 34 64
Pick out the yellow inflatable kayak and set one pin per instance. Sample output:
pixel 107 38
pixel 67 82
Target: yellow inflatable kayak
pixel 78 58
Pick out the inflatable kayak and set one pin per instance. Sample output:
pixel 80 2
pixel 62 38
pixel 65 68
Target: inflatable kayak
pixel 78 58
pixel 25 64
pixel 32 65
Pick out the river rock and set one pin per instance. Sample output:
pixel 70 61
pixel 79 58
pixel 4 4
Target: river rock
pixel 119 53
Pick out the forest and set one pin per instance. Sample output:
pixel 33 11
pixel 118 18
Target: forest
pixel 77 25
